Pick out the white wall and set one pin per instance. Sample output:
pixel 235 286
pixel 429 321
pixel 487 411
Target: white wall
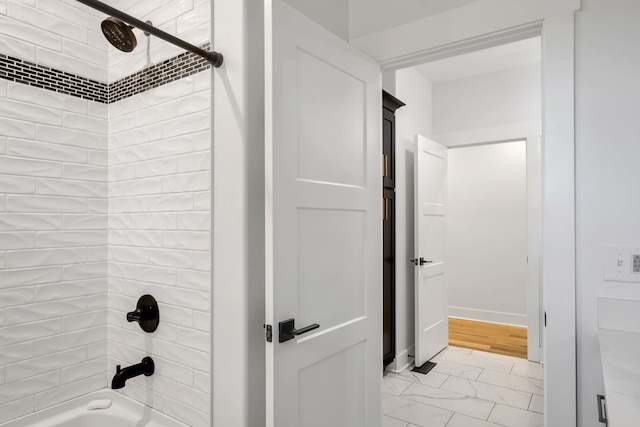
pixel 487 233
pixel 414 118
pixel 508 97
pixel 607 152
pixel 53 205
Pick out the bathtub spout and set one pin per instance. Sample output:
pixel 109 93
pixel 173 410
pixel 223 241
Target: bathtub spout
pixel 146 368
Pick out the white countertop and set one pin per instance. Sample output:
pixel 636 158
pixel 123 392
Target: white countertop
pixel 620 353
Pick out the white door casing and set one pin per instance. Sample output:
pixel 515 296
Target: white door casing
pixel 441 36
pixel 431 297
pixel 323 217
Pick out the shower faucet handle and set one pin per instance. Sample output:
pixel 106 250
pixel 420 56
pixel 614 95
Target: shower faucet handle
pixel 146 313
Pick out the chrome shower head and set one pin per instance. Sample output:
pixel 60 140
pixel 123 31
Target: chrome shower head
pixel 119 34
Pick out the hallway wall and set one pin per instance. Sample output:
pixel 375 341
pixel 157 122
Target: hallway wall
pixel 475 105
pixel 487 233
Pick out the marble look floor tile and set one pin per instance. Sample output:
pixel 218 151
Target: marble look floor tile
pixel 456 402
pixel 433 379
pixel 460 349
pixel 467 388
pixel 392 422
pixel 414 413
pixel 529 363
pixel 490 392
pixel 496 356
pixel 459 420
pixel 529 370
pixel 514 417
pixel 515 382
pixel 451 349
pixel 394 386
pixel 480 360
pixel 537 404
pixel 457 369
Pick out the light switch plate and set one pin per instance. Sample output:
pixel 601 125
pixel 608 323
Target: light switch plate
pixel 622 264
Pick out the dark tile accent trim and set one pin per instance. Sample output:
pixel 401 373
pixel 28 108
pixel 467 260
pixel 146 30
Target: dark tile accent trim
pixel 172 69
pixel 25 72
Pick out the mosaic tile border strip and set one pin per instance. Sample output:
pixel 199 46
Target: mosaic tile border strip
pixel 25 72
pixel 170 70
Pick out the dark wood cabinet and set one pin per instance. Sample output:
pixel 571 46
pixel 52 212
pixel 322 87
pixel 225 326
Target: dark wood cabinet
pixel 389 105
pixel 388 143
pixel 388 276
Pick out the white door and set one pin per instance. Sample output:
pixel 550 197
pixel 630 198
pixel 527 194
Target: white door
pixel 431 305
pixel 323 242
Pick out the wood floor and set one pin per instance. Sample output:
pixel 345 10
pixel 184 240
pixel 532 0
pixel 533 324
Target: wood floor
pixel 500 339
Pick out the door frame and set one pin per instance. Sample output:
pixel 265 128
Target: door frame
pixel 238 178
pixel 555 23
pixel 530 133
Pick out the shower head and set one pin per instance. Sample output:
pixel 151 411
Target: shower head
pixel 119 34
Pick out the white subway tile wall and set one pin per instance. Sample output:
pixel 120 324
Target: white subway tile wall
pixel 62 34
pixel 53 239
pixel 100 204
pixel 159 238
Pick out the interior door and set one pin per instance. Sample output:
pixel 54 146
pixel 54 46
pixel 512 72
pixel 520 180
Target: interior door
pixel 431 299
pixel 323 238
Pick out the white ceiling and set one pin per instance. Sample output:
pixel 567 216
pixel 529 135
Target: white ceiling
pixel 512 55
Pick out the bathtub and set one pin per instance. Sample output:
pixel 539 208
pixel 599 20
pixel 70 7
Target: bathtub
pixel 123 412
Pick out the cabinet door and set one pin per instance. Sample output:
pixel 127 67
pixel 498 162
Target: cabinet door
pixel 388 274
pixel 388 143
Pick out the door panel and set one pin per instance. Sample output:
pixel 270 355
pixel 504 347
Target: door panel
pixel 330 120
pixel 323 240
pixel 431 299
pixel 335 239
pixel 346 400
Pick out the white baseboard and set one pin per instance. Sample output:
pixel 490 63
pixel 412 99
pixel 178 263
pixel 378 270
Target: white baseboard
pixel 489 316
pixel 402 361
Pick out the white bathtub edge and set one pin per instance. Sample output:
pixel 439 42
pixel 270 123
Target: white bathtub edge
pixel 70 409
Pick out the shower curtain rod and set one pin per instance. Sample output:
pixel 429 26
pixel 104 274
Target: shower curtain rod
pixel 214 58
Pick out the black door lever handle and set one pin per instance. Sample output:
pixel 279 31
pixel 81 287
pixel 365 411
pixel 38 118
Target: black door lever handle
pixel 287 330
pixel 420 260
